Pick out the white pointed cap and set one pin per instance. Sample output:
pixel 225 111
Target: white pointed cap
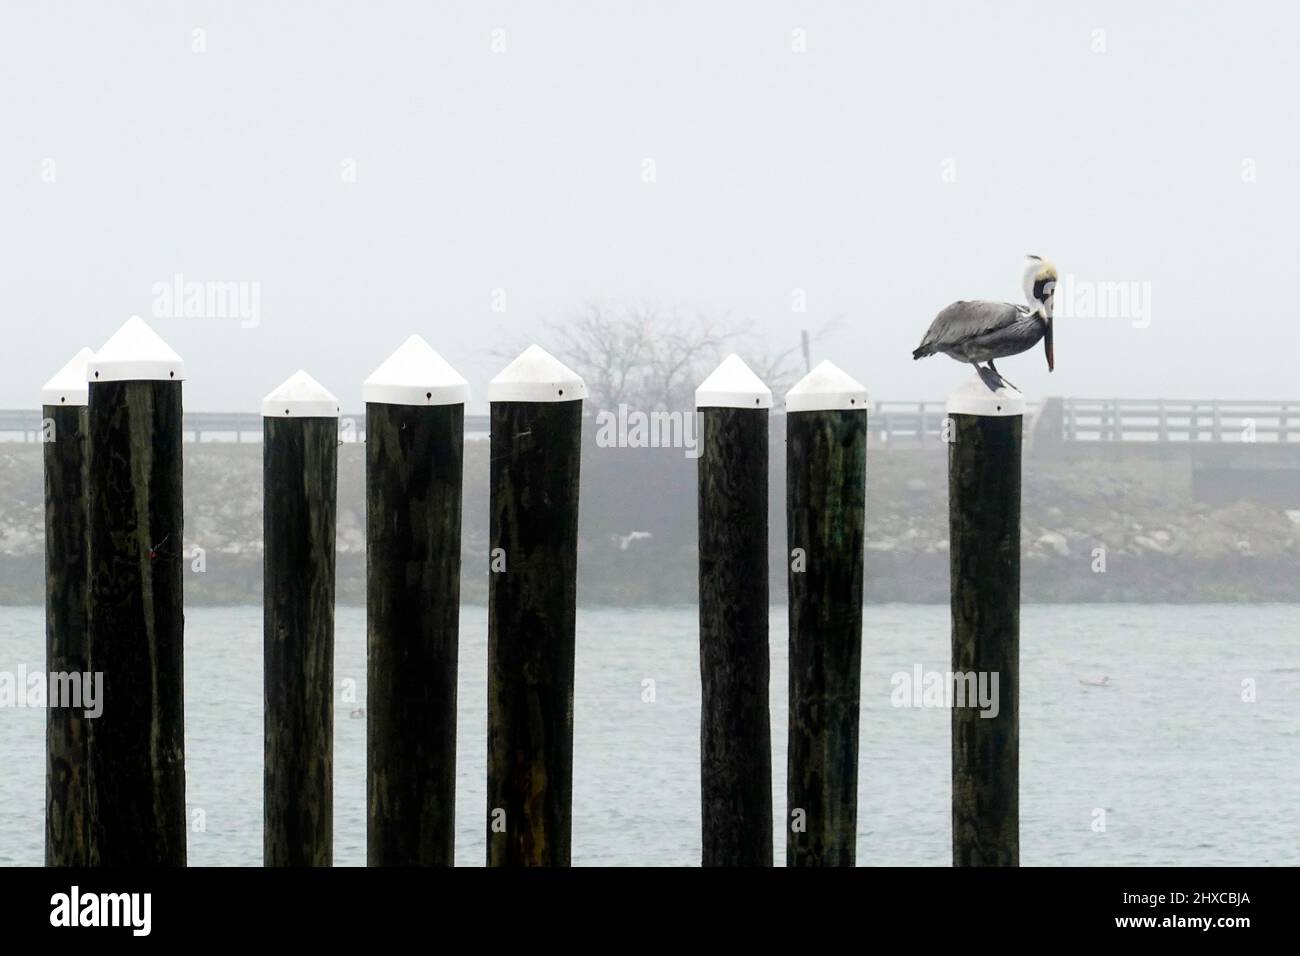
pixel 974 397
pixel 415 375
pixel 733 385
pixel 300 396
pixel 69 386
pixel 135 353
pixel 826 388
pixel 536 376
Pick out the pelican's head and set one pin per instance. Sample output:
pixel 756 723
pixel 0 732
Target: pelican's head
pixel 1039 281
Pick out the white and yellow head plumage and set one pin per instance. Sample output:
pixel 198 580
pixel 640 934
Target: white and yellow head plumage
pixel 1039 283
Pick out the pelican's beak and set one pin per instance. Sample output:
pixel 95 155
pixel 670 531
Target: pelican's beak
pixel 1047 344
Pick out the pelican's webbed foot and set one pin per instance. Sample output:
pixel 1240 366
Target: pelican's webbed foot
pixel 1001 377
pixel 989 376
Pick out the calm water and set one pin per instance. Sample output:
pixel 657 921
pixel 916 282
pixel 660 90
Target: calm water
pixel 1185 772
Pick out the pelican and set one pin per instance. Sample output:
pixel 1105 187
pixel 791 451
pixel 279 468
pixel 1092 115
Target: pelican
pixel 982 331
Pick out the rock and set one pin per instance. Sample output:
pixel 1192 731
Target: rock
pixel 1055 542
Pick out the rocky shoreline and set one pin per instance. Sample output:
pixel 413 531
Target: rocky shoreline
pixel 1093 531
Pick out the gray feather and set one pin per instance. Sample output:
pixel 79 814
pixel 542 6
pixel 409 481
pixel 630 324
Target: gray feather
pixel 963 321
pixel 980 330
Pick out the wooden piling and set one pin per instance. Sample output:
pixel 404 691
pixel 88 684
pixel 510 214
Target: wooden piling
pixel 536 440
pixel 984 463
pixel 735 731
pixel 826 453
pixel 135 623
pixel 67 799
pixel 415 435
pixel 299 488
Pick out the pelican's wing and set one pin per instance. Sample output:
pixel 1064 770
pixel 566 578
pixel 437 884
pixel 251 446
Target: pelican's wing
pixel 963 321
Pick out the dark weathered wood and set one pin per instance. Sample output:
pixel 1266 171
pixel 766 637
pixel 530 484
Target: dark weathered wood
pixel 67 798
pixel 984 460
pixel 735 731
pixel 136 623
pixel 826 455
pixel 535 450
pixel 414 465
pixel 299 485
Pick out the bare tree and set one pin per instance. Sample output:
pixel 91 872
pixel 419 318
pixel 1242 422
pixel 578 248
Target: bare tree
pixel 778 370
pixel 653 361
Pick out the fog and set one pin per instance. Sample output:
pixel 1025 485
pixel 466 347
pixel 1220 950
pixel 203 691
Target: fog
pixel 628 650
pixel 380 169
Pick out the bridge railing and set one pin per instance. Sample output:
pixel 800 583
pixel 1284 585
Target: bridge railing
pixel 899 423
pixel 1170 420
pixel 25 425
pixel 914 423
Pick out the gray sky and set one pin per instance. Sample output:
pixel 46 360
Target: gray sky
pixel 909 156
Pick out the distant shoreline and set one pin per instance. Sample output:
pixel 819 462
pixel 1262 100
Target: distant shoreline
pixel 1094 531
